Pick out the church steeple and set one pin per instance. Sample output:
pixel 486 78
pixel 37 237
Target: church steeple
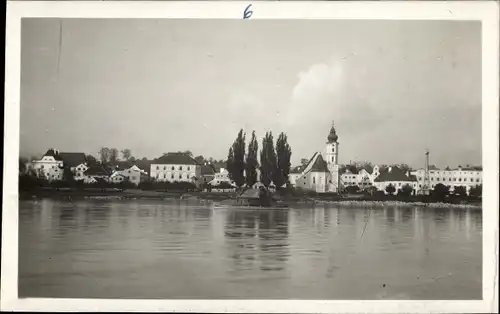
pixel 332 137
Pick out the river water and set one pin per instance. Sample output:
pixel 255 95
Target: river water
pixel 183 250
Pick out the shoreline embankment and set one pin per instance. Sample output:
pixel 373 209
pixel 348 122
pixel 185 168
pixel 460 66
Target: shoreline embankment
pixel 135 194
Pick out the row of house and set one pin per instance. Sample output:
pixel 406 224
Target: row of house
pixel 321 173
pixel 171 167
pixel 380 178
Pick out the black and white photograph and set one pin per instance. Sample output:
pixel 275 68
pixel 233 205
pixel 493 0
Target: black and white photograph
pixel 252 158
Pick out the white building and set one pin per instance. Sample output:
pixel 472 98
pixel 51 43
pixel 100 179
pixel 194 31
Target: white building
pixel 321 174
pixel 51 165
pixel 362 178
pixel 176 167
pixel 467 177
pixel 126 171
pixel 397 178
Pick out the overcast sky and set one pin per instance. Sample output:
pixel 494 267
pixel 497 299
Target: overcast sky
pixel 393 88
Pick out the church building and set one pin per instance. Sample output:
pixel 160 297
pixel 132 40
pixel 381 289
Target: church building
pixel 321 174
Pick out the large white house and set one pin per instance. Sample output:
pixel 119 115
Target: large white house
pixel 467 177
pixel 396 177
pixel 51 165
pixel 321 174
pixel 176 167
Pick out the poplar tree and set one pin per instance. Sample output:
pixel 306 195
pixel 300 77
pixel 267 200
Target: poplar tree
pixel 230 162
pixel 267 160
pixel 237 169
pixel 284 153
pixel 251 161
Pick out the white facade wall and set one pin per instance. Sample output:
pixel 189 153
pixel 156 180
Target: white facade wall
pixel 175 173
pixel 49 167
pixel 451 178
pixel 381 186
pixel 292 177
pixel 133 174
pixel 79 171
pixel 314 181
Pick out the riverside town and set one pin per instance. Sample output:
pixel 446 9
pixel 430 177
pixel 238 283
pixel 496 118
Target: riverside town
pixel 251 175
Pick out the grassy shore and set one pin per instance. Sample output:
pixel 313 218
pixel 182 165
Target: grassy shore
pixel 135 194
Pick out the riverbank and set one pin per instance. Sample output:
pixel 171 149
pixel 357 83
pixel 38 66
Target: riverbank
pixel 221 197
pixel 365 203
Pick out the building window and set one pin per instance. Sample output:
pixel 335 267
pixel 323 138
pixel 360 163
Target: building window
pixel 189 168
pixel 180 168
pixel 157 167
pixel 42 166
pixel 164 167
pixel 314 180
pixel 333 149
pixel 180 176
pixel 471 180
pixel 164 176
pixel 172 177
pixel 477 180
pixel 460 179
pixel 172 167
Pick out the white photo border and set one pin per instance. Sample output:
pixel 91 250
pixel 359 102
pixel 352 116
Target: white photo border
pixel 485 11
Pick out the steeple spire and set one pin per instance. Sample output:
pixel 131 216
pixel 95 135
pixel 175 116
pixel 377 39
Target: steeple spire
pixel 332 137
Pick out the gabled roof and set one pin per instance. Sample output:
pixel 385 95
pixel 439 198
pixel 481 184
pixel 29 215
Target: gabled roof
pixel 175 159
pixel 143 164
pixel 368 168
pixel 395 174
pixel 73 159
pixel 122 165
pixel 316 164
pixel 319 165
pixel 207 170
pixel 53 153
pixel 97 170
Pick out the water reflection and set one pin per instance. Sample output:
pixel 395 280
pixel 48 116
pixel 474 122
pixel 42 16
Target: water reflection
pixel 258 235
pixel 130 249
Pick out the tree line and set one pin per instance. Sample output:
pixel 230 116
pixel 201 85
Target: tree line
pixel 243 162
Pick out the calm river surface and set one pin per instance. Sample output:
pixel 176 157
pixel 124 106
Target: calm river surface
pixel 174 249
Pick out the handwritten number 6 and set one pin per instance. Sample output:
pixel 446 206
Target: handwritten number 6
pixel 247 13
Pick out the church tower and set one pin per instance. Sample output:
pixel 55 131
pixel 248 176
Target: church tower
pixel 331 156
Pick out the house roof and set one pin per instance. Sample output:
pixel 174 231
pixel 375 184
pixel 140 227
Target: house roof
pixel 143 164
pixel 319 165
pixel 395 174
pixel 53 153
pixel 73 159
pixel 368 168
pixel 175 159
pixel 97 170
pixel 207 170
